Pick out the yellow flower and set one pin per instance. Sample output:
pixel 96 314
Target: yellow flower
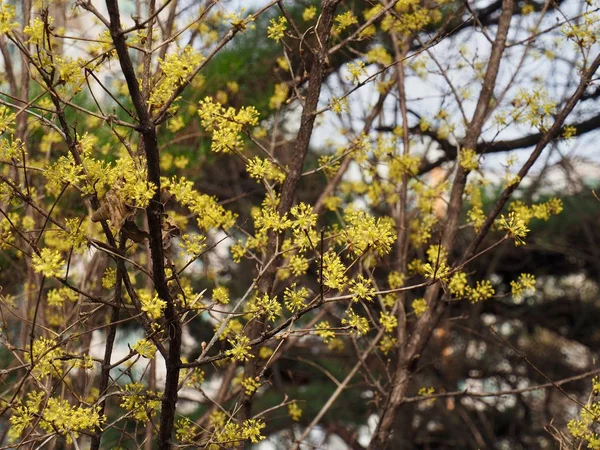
pixel 280 96
pixel 361 288
pixel 388 321
pixel 419 306
pixel 276 29
pixel 309 13
pixel 482 291
pixel 250 385
pixel 355 71
pixel 49 263
pixel 515 226
pixel 294 411
pixel 240 350
pixel 145 348
pixel 153 306
pixel 324 331
pixel 468 159
pixel 343 21
pixel 333 271
pixel 294 298
pixel 526 283
pixel 221 295
pixel 360 324
pixel 7 17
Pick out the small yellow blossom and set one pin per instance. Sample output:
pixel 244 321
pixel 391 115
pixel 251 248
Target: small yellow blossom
pixel 324 331
pixel 482 291
pixel 250 385
pixel 358 323
pixel 419 306
pixel 145 348
pixel 343 21
pixel 355 71
pixel 309 13
pixel 221 295
pixel 240 350
pixel 276 29
pixel 361 288
pixel 294 411
pixel 49 263
pixel 388 322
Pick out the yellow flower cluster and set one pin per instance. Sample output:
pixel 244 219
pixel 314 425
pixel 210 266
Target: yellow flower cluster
pixel 7 121
pixel 584 428
pixel 264 306
pixel 49 263
pixel 193 244
pixel 142 404
pixel 361 289
pixel 355 71
pixel 10 150
pixel 280 96
pixel 482 291
pixel 410 17
pixel 109 278
pixel 209 213
pixel 358 323
pixel 145 348
pixel 388 322
pixel 233 433
pixel 7 235
pixel 541 211
pixel 36 31
pixel 534 107
pixel 73 238
pixel 58 416
pixel 46 358
pixel 515 226
pixel 333 271
pixel 240 350
pixel 365 232
pixel 276 29
pixel 324 331
pixel 379 55
pixel 294 411
pixel 468 159
pixel 226 124
pixel 387 343
pixel 260 169
pixel 524 285
pixel 176 68
pixel 585 32
pixel 56 297
pixel 474 192
pixel 221 295
pixel 250 385
pixel 309 13
pixel 419 306
pixel 153 306
pixel 338 105
pixel 294 298
pixel 7 17
pixel 343 21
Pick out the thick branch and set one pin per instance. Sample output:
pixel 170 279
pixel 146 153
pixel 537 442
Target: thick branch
pixel 154 213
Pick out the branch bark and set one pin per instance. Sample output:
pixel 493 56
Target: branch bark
pixel 410 352
pixel 154 213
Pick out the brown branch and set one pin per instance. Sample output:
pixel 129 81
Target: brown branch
pixel 110 340
pixel 467 393
pixel 551 134
pixel 154 213
pixel 426 323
